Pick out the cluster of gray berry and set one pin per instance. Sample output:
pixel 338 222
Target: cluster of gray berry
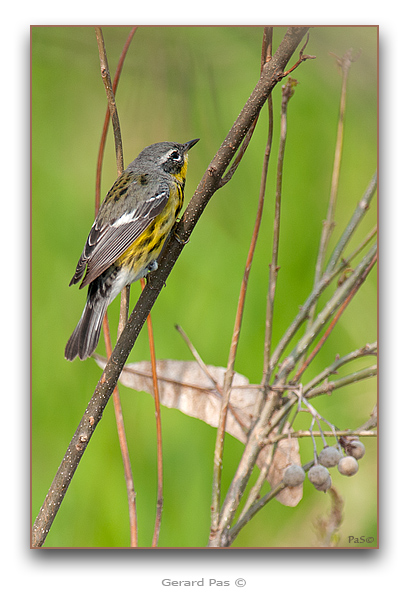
pixel 330 456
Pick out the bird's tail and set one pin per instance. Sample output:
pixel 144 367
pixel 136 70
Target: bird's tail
pixel 84 339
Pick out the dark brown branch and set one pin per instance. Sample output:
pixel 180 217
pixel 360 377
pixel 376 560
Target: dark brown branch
pixel 272 73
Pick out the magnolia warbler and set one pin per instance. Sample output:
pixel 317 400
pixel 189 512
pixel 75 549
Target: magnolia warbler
pixel 128 234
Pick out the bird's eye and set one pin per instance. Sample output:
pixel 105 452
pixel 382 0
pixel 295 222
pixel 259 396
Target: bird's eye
pixel 175 156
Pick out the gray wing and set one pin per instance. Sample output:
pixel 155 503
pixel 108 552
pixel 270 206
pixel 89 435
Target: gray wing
pixel 107 240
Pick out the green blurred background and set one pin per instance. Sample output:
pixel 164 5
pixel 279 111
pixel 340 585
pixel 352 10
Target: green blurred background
pixel 180 83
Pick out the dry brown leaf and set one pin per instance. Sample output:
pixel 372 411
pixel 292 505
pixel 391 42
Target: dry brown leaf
pixel 185 386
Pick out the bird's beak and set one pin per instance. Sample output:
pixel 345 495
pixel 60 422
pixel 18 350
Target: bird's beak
pixel 188 145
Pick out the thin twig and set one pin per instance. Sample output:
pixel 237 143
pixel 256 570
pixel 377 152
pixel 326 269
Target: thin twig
pixel 106 121
pixel 124 448
pixel 287 93
pixel 257 505
pixel 336 433
pixel 371 422
pixel 347 260
pixel 106 77
pixel 266 50
pixel 329 387
pixel 329 224
pixel 123 316
pixel 218 390
pixel 228 380
pixel 358 214
pixel 199 360
pixel 368 349
pixel 240 154
pixel 301 58
pixel 159 501
pixel 125 292
pixel 255 491
pixel 330 328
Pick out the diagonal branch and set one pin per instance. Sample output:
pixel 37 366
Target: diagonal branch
pixel 272 73
pixel 329 386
